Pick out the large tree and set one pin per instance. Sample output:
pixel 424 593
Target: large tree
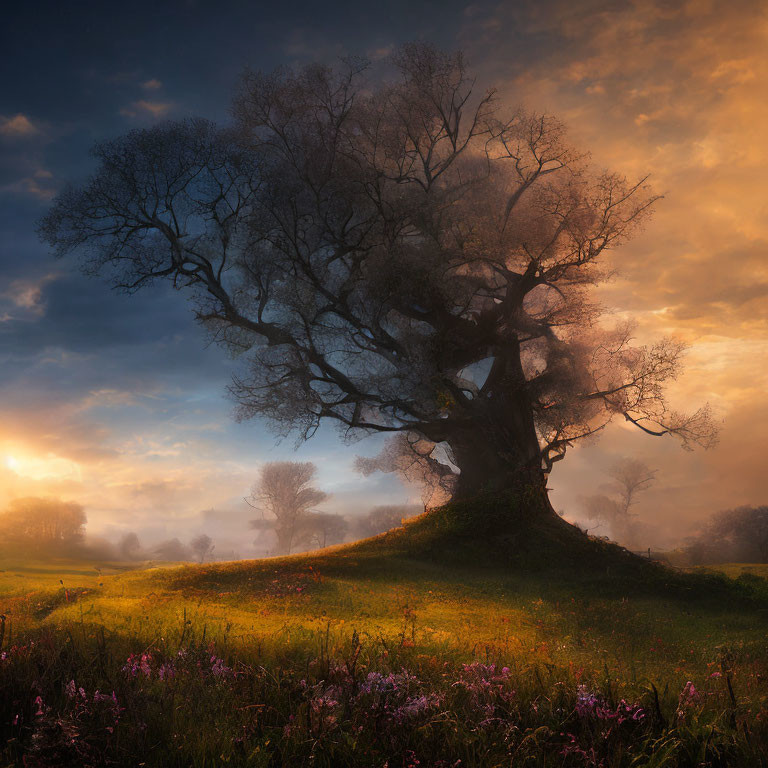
pixel 403 255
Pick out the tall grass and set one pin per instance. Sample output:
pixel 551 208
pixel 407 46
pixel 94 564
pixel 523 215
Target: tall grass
pixel 314 662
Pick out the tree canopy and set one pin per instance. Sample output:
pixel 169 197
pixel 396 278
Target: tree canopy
pixel 402 255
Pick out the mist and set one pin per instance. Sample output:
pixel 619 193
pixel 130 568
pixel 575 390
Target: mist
pixel 657 519
pixel 172 539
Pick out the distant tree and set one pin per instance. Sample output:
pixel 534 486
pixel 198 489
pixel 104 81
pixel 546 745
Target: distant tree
pixel 322 529
pixel 392 256
pixel 129 546
pixel 733 535
pixel 285 494
pixel 43 523
pixel 172 550
pixel 602 509
pixel 265 542
pixel 384 518
pixel 630 478
pixel 202 546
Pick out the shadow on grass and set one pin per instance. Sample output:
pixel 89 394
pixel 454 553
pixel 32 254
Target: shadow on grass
pixel 486 544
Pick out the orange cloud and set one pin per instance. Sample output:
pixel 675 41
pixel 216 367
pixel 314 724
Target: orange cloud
pixel 18 125
pixel 27 295
pixel 155 109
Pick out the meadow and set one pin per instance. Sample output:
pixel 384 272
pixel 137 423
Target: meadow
pixel 401 651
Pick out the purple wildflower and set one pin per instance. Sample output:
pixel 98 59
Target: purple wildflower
pixel 219 668
pixel 416 707
pixel 166 672
pixel 592 705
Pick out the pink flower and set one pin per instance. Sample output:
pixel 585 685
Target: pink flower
pixel 219 668
pixel 689 694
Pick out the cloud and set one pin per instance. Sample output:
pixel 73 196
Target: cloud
pixel 666 89
pixel 27 295
pixel 83 316
pixel 735 71
pixel 109 397
pixel 35 186
pixel 152 85
pixel 155 109
pixel 23 170
pixel 18 126
pixel 380 52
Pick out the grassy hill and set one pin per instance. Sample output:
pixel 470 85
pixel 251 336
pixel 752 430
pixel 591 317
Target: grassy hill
pixel 526 643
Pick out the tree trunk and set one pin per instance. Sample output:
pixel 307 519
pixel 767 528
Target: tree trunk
pixel 495 444
pixel 284 539
pixel 488 463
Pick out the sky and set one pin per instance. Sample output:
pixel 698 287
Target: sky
pixel 116 401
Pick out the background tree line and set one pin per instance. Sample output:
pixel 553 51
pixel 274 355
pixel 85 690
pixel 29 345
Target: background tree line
pixel 290 521
pixel 284 495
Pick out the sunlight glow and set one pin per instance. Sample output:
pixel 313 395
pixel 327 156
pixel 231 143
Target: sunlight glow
pixel 11 463
pixel 49 467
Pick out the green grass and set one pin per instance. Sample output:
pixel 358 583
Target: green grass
pixel 558 610
pixel 734 570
